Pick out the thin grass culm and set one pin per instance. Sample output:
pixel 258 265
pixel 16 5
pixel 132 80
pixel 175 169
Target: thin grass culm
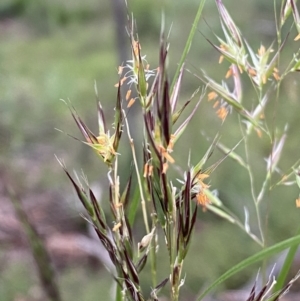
pixel 169 205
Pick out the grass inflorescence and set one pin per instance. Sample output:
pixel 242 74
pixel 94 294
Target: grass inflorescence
pixel 169 206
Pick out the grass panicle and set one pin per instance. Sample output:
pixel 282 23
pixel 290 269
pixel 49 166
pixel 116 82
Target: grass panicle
pixel 170 206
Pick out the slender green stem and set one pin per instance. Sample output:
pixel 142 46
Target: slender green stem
pixel 278 33
pixel 172 228
pixel 153 260
pixel 241 226
pixel 176 278
pixel 256 204
pixel 144 208
pixel 116 187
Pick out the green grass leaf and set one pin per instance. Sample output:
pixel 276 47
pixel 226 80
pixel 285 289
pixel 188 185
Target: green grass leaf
pixel 134 203
pixel 38 249
pixel 188 43
pixel 251 260
pixel 286 267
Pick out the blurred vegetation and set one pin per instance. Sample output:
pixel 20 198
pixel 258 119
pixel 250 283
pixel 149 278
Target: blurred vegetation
pixel 52 50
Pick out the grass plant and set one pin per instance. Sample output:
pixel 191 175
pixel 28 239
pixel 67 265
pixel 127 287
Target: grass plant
pixel 169 204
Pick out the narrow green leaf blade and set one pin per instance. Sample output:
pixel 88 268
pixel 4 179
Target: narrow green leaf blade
pixel 286 267
pixel 251 260
pixel 134 203
pixel 38 249
pixel 188 43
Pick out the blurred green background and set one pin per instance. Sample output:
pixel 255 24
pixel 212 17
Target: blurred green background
pixel 52 50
